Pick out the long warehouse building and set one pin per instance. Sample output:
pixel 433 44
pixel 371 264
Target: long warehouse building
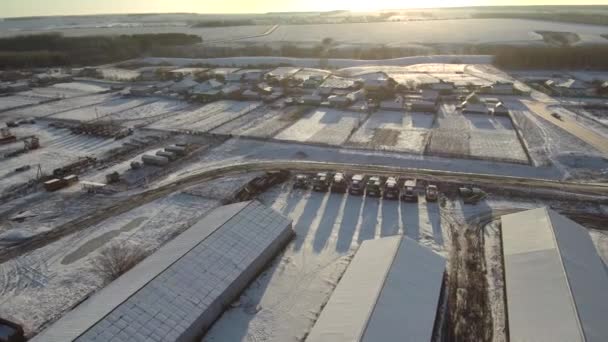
pixel 177 293
pixel 556 283
pixel 390 292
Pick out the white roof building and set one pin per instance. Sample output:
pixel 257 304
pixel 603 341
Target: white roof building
pixel 556 283
pixel 176 293
pixel 390 292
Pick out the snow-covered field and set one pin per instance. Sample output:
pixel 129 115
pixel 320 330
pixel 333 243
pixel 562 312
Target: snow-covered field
pixel 65 90
pixel 455 31
pixel 148 112
pixel 262 122
pixel 475 135
pixel 395 131
pixel 59 106
pixel 284 301
pixel 14 101
pixel 100 110
pixel 37 287
pixel 58 147
pixel 207 117
pixel 314 62
pixel 323 125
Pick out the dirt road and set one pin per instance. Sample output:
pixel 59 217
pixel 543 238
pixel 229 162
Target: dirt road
pixel 569 125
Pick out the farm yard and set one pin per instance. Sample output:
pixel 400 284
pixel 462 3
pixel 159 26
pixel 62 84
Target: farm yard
pixel 58 147
pixel 326 126
pixel 394 131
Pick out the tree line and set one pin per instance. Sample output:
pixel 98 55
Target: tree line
pixel 54 49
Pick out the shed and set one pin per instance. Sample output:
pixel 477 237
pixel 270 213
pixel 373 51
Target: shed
pixel 390 292
pixel 555 280
pixel 177 293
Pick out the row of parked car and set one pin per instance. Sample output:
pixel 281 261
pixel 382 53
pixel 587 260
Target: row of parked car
pixel 391 188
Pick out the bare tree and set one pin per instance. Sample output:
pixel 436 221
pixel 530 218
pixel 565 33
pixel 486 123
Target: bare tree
pixel 117 259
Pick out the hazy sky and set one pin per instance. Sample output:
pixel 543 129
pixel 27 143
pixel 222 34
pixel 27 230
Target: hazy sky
pixel 13 8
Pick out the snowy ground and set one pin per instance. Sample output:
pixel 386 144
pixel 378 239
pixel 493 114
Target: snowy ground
pixel 323 125
pixel 475 135
pixel 14 101
pixel 149 112
pixel 37 287
pixel 100 110
pixel 262 122
pixel 59 106
pixel 394 131
pixel 284 301
pixel 207 117
pixel 65 90
pixel 58 147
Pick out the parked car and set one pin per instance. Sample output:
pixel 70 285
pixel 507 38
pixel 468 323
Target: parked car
pixel 409 193
pixel 302 181
pixel 372 188
pixel 321 182
pixel 557 116
pixel 10 332
pixel 432 193
pixel 339 184
pixel 391 189
pixel 471 195
pixel 357 185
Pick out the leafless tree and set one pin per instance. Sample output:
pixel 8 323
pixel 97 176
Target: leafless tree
pixel 117 259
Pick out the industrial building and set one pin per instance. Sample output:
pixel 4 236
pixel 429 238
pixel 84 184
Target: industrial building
pixel 179 291
pixel 555 281
pixel 390 292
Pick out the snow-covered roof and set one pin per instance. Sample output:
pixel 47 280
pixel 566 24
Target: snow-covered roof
pixel 185 84
pixel 182 282
pixel 390 292
pixel 555 281
pixel 207 86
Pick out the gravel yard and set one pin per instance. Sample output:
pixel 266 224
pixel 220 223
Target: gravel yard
pixel 323 125
pixel 394 131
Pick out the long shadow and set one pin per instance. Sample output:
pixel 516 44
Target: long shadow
pixel 369 219
pixel 390 218
pixel 305 220
pixel 295 196
pixel 411 220
pixel 433 213
pixel 350 218
pixel 327 221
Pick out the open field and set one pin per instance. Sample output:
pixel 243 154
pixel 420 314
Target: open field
pixel 207 117
pixel 14 101
pixel 65 90
pixel 472 31
pixel 263 122
pixel 324 125
pixel 394 131
pixel 148 112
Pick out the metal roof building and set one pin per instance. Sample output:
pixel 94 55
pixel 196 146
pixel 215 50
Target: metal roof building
pixel 177 293
pixel 556 283
pixel 390 292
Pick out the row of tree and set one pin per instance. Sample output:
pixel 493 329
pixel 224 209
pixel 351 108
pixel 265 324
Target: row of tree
pixel 55 49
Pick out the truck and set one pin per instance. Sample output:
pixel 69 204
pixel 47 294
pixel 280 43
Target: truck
pixel 301 181
pixel 391 189
pixel 357 185
pixel 339 184
pixel 372 187
pixel 471 195
pixel 432 193
pixel 321 182
pixel 409 193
